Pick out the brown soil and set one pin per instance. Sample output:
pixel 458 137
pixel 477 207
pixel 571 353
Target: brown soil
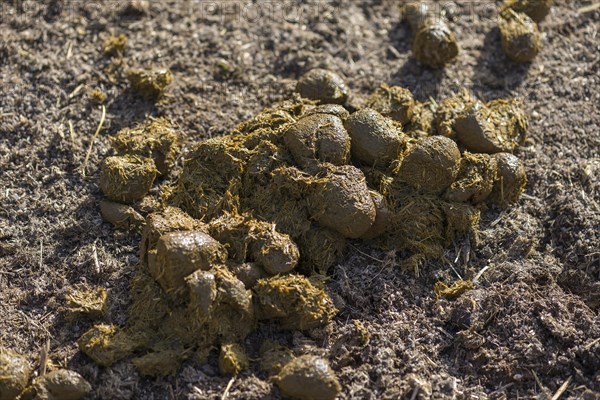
pixel 532 322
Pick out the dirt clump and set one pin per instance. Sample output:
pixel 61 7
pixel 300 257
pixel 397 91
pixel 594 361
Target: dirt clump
pixel 394 102
pixel 14 374
pixel 520 36
pixel 308 377
pixel 232 359
pixel 150 84
pixel 61 384
pixel 126 179
pixel 431 165
pixel 375 138
pixel 323 85
pixel 433 43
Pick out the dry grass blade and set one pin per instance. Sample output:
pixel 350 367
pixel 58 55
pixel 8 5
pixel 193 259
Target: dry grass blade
pixel 562 389
pixel 89 152
pixel 228 388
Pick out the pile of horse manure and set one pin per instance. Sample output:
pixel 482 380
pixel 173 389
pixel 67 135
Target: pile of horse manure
pixel 519 32
pixel 150 84
pixel 246 233
pixel 433 42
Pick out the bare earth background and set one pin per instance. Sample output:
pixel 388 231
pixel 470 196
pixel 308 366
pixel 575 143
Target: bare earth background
pixel 533 320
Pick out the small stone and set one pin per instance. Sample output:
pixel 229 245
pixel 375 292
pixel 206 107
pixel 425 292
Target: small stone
pixel 308 378
pixel 323 85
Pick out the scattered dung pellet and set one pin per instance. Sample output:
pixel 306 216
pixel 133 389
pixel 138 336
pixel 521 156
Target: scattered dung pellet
pixel 308 378
pixel 115 45
pixel 155 139
pixel 91 303
pixel 537 10
pixel 107 344
pixel 293 301
pixel 127 179
pixel 519 36
pixel 475 179
pixel 342 202
pixel 14 374
pixel 122 216
pixel 382 218
pixel 179 254
pixel 330 109
pixel 511 180
pixel 274 356
pixel 158 363
pixel 433 42
pixel 448 110
pixel 497 127
pixel 321 137
pixel 61 384
pixel 150 84
pixel 394 102
pixel 232 359
pixel 431 165
pixel 376 141
pixel 324 86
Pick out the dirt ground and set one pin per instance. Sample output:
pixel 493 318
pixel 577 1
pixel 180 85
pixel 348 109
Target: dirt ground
pixel 531 324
